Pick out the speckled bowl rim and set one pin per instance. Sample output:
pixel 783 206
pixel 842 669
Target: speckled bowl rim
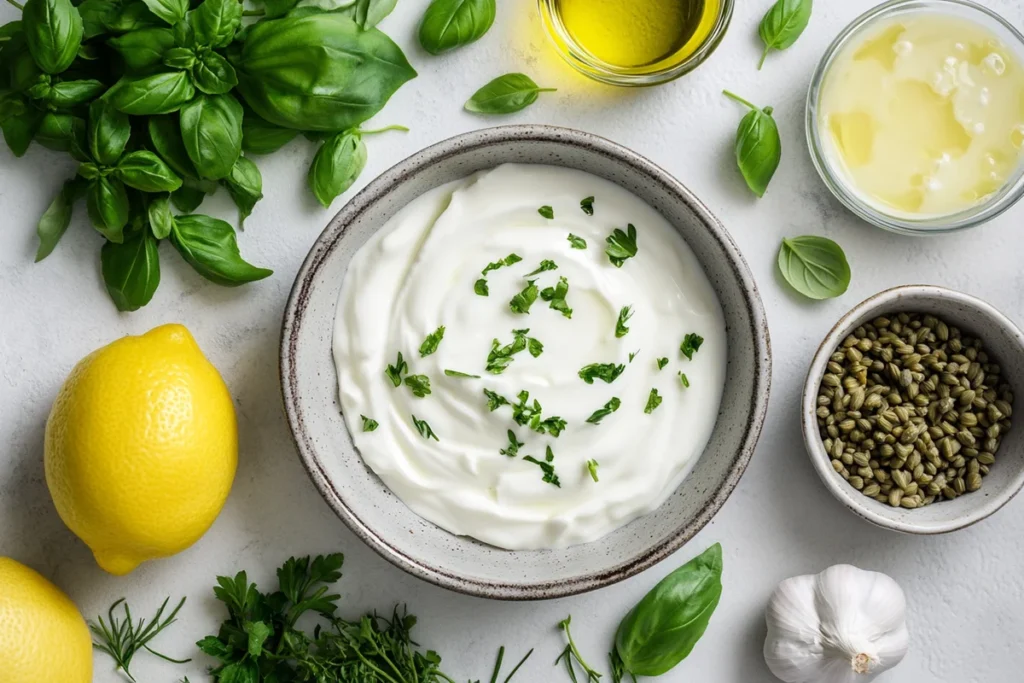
pixel 420 162
pixel 854 500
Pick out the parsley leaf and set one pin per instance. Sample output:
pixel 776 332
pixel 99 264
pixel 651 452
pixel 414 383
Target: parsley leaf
pixel 546 467
pixel 684 379
pixel 691 345
pixel 577 242
pixel 621 245
pixel 544 266
pixel 592 465
pixel 620 326
pixel 509 260
pixel 662 362
pixel 609 408
pixel 418 384
pixel 634 355
pixel 481 288
pixel 587 205
pixel 369 424
pixel 552 425
pixel 523 412
pixel 424 429
pixel 522 301
pixel 653 401
pixel 456 373
pixel 494 400
pixel 534 347
pixel 556 295
pixel 547 212
pixel 432 341
pixel 608 372
pixel 395 372
pixel 513 445
pixel 500 356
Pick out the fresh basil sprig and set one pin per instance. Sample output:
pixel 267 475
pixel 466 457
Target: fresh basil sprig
pixel 209 246
pixel 339 162
pixel 783 25
pixel 814 266
pixel 758 146
pixel 505 94
pixel 448 24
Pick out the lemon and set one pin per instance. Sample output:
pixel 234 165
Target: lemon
pixel 42 635
pixel 141 448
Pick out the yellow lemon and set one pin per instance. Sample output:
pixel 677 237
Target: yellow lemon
pixel 141 448
pixel 42 635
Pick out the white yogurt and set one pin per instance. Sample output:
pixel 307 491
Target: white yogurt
pixel 418 272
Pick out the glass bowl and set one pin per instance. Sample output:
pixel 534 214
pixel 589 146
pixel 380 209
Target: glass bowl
pixel 662 71
pixel 835 177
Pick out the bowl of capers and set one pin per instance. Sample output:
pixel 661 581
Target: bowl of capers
pixel 908 407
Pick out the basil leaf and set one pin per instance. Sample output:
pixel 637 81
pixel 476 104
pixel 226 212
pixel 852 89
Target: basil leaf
pixel 664 626
pixel 180 58
pixel 165 136
pixel 184 35
pixel 783 25
pixel 505 94
pixel 262 137
pixel 278 8
pixel 216 22
pixel 143 49
pixel 131 270
pixel 213 74
pixel 187 198
pixel 145 171
pixel 63 133
pixel 449 24
pixel 814 266
pixel 57 217
pixel 131 17
pixel 211 126
pixel 107 204
pixel 245 185
pixel 11 104
pixel 369 13
pixel 758 146
pixel 69 94
pixel 337 165
pixel 53 31
pixel 171 11
pixel 161 219
pixel 93 13
pixel 20 128
pixel 160 93
pixel 209 245
pixel 289 72
pixel 109 130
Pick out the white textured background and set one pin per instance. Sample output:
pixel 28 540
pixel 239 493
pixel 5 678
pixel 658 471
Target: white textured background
pixel 966 590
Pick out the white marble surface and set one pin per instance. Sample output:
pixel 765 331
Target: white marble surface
pixel 966 590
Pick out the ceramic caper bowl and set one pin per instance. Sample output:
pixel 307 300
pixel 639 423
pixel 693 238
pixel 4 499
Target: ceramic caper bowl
pixel 1003 342
pixel 378 517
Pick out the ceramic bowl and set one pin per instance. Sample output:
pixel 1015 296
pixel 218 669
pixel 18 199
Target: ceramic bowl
pixel 1003 341
pixel 362 501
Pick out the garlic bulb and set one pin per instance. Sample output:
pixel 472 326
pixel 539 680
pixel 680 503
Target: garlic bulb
pixel 844 625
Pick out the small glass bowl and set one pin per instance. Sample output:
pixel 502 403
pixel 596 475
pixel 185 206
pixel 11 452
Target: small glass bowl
pixel 836 179
pixel 653 74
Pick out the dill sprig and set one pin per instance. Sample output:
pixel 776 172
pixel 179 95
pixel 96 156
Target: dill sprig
pixel 123 638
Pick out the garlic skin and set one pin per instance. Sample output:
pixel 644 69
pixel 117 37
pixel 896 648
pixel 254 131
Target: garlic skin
pixel 845 625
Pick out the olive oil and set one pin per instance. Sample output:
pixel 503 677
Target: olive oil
pixel 638 34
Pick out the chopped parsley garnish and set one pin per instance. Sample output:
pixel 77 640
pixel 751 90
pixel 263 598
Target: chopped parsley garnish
pixel 395 372
pixel 609 372
pixel 546 467
pixel 544 266
pixel 653 401
pixel 684 379
pixel 424 429
pixel 509 260
pixel 634 355
pixel 552 425
pixel 432 341
pixel 534 346
pixel 547 212
pixel 500 356
pixel 620 325
pixel 621 245
pixel 588 206
pixel 525 413
pixel 556 296
pixel 609 408
pixel 662 362
pixel 577 242
pixel 369 424
pixel 495 400
pixel 456 373
pixel 419 384
pixel 691 345
pixel 592 465
pixel 514 445
pixel 522 301
pixel 481 288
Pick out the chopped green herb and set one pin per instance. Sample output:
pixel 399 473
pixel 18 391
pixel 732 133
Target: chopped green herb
pixel 395 372
pixel 588 206
pixel 572 654
pixel 432 341
pixel 424 429
pixel 592 465
pixel 556 295
pixel 653 401
pixel 609 408
pixel 523 412
pixel 662 362
pixel 609 372
pixel 577 242
pixel 494 400
pixel 534 347
pixel 620 326
pixel 691 345
pixel 621 245
pixel 509 260
pixel 684 379
pixel 522 301
pixel 544 266
pixel 513 445
pixel 500 356
pixel 547 212
pixel 419 384
pixel 546 467
pixel 552 425
pixel 634 355
pixel 481 288
pixel 456 373
pixel 369 424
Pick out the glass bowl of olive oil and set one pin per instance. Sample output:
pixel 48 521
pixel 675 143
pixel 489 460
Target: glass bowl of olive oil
pixel 636 42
